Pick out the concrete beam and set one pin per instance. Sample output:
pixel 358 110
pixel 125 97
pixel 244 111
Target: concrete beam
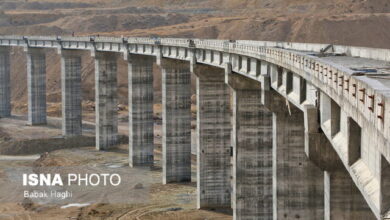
pixel 5 83
pixel 213 138
pixel 106 100
pixel 385 186
pixel 71 93
pixel 235 80
pixel 176 96
pixel 159 54
pixel 330 114
pixel 252 150
pixel 141 132
pixel 36 86
pixel 269 97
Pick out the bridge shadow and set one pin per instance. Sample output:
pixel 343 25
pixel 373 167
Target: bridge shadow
pixel 226 211
pixel 117 149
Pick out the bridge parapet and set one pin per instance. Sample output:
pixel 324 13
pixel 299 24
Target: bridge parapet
pixel 141 40
pixel 364 52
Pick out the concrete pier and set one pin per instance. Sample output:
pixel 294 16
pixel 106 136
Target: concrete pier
pixel 5 88
pixel 176 140
pixel 141 133
pixel 298 183
pixel 106 100
pixel 213 138
pixel 252 150
pixel 36 86
pixel 71 93
pixel 343 200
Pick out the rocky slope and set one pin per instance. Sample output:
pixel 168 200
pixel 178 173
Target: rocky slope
pixel 349 22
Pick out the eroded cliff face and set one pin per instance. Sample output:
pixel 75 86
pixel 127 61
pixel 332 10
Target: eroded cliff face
pixel 353 22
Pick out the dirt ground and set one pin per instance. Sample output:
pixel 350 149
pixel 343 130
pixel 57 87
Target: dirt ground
pixel 172 201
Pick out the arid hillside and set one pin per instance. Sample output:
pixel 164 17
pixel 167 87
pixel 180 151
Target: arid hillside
pixel 349 22
pixel 353 22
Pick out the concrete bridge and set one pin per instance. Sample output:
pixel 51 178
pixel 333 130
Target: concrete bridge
pixel 309 134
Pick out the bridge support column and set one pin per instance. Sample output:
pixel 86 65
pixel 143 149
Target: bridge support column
pixel 213 138
pixel 71 93
pixel 252 150
pixel 5 88
pixel 141 133
pixel 106 100
pixel 176 142
pixel 343 199
pixel 36 86
pixel 298 183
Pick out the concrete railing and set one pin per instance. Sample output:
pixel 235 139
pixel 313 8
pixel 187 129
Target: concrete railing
pixel 363 52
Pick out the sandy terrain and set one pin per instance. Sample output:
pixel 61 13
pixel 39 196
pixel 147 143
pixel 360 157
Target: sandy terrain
pixel 173 201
